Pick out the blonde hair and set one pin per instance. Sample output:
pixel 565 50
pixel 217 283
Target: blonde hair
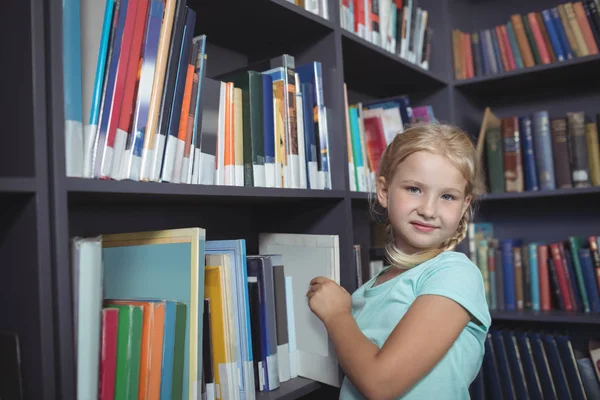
pixel 442 139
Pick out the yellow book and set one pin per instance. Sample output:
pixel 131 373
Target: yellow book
pixel 593 152
pixel 217 288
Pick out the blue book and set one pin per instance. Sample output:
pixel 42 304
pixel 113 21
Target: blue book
pixel 543 366
pixel 565 352
pixel 72 87
pixel 107 98
pixel 557 368
pixel 175 109
pixel 533 380
pixel 496 48
pixel 553 35
pixel 589 278
pixel 542 141
pixel 562 35
pixel 508 273
pixel 312 73
pixel 514 358
pixel 530 173
pixel 236 249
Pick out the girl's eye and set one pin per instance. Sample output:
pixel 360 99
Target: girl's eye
pixel 413 189
pixel 448 197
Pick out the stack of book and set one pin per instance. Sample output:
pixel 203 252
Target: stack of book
pixel 537 151
pixel 169 314
pixel 554 34
pixel 370 127
pixel 535 275
pixel 398 26
pixel 138 104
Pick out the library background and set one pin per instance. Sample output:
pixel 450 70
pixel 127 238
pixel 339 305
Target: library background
pixel 180 169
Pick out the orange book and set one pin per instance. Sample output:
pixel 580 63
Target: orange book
pixel 584 25
pixel 229 158
pixel 526 53
pixel 502 46
pixel 187 94
pixel 544 278
pixel 469 53
pixel 152 346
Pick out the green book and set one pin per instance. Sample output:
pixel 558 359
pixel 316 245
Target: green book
pixel 577 242
pixel 495 158
pixel 129 347
pixel 179 350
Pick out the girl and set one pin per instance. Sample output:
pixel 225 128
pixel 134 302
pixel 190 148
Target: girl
pixel 417 329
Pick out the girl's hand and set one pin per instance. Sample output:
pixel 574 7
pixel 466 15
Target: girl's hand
pixel 327 299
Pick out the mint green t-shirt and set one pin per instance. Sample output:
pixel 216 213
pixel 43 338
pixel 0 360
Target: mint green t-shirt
pixel 377 310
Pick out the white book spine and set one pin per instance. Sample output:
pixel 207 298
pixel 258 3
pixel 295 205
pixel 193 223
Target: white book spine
pixel 301 149
pixel 74 148
pixel 169 163
pixel 115 167
pixel 89 137
pixel 178 161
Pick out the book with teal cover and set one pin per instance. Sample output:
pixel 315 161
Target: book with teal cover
pixel 165 265
pixel 236 249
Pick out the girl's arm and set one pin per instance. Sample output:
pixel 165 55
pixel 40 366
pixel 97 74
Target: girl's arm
pixel 417 343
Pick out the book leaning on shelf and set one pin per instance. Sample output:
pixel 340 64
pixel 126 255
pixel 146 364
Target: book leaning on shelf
pixel 370 127
pixel 140 76
pixel 169 314
pixel 534 275
pixel 539 151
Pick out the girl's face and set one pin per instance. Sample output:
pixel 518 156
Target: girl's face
pixel 425 201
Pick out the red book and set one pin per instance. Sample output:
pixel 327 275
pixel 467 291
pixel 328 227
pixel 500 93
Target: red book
pixel 127 108
pixel 108 353
pixel 563 283
pixel 544 278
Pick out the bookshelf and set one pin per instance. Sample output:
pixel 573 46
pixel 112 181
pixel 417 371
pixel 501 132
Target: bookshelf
pixel 43 208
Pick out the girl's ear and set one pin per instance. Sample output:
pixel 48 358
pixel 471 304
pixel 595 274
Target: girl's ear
pixel 382 192
pixel 467 203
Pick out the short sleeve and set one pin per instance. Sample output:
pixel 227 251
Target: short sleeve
pixel 457 278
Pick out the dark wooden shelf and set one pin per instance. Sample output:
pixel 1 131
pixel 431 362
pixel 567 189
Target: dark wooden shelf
pixel 547 316
pixel 371 70
pixel 578 71
pixel 292 389
pixel 541 194
pixel 361 195
pixel 99 190
pixel 17 185
pixel 260 28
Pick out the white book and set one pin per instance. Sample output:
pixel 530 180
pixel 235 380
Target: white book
pixel 301 149
pixel 305 257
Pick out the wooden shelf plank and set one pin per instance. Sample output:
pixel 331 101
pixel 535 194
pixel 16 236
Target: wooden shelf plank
pixel 565 74
pixel 80 188
pixel 17 185
pixel 385 74
pixel 249 30
pixel 292 389
pixel 541 194
pixel 547 316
